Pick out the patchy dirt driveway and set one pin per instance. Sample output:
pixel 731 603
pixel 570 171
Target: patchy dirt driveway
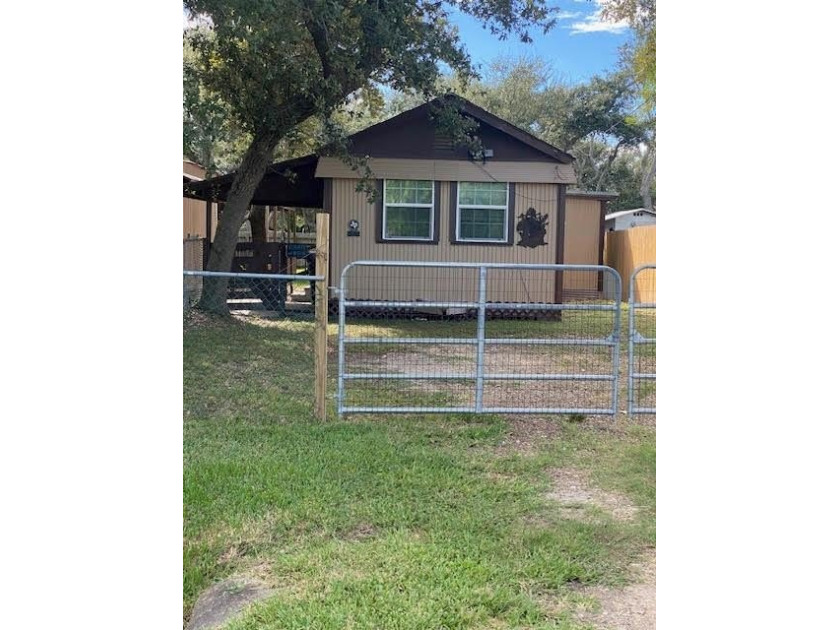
pixel 632 607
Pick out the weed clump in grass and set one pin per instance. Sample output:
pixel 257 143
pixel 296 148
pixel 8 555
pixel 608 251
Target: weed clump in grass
pixel 576 418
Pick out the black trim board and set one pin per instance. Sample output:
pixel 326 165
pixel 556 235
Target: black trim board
pixel 378 208
pixel 560 246
pixel 328 204
pixel 602 226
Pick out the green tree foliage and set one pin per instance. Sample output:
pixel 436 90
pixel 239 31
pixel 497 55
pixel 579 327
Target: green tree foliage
pixel 275 64
pixel 211 135
pixel 640 59
pixel 641 15
pixel 597 122
pixel 214 138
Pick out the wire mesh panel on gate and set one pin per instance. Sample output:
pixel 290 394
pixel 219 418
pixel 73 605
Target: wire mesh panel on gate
pixel 472 337
pixel 641 363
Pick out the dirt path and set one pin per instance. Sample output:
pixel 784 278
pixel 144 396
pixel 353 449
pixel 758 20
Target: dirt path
pixel 572 490
pixel 632 607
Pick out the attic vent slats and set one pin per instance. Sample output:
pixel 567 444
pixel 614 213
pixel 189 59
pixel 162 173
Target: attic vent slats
pixel 442 142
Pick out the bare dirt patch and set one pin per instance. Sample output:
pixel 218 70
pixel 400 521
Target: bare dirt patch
pixel 572 489
pixel 361 532
pixel 632 607
pixel 528 434
pixel 460 361
pixel 389 361
pixel 193 318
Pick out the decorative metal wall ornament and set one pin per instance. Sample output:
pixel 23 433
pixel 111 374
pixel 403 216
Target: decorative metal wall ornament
pixel 531 228
pixel 353 228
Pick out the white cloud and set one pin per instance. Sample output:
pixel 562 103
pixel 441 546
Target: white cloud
pixel 566 15
pixel 197 20
pixel 596 23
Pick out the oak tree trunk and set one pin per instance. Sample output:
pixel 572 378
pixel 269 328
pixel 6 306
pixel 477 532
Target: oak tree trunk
pixel 257 159
pixel 258 219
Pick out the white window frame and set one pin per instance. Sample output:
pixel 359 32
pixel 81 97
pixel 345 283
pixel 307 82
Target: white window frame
pixel 506 208
pixel 385 205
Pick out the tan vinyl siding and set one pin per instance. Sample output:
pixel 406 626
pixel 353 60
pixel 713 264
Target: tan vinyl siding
pixel 440 284
pixel 583 226
pixel 454 170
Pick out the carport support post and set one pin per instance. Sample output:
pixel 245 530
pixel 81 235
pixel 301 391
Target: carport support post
pixel 322 266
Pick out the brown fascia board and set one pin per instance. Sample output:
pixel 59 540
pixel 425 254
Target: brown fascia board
pixel 598 195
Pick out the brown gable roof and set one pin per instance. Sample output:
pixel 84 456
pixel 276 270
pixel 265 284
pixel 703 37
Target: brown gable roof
pixel 413 135
pixel 520 134
pixel 409 135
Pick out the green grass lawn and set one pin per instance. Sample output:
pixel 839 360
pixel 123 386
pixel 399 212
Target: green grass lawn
pixel 387 522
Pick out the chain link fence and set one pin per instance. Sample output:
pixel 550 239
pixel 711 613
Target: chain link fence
pixel 193 253
pixel 257 295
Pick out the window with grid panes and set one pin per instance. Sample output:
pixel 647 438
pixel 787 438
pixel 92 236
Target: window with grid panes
pixel 408 209
pixel 482 212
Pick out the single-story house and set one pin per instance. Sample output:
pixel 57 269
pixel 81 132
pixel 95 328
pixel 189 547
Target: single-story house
pixel 626 219
pixel 436 202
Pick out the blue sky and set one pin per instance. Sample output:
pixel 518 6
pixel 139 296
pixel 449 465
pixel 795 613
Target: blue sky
pixel 579 46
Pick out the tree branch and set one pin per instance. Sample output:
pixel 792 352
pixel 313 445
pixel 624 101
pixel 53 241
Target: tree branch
pixel 320 39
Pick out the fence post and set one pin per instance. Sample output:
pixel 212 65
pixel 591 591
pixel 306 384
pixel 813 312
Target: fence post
pixel 480 335
pixel 322 267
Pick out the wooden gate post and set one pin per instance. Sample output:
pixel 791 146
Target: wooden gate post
pixel 322 267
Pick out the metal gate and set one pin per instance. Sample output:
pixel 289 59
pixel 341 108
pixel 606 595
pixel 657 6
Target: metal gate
pixel 641 360
pixel 552 327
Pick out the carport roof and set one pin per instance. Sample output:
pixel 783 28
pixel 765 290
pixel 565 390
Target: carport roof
pixel 289 183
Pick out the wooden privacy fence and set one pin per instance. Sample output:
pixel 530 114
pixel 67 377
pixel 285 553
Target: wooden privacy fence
pixel 626 250
pixel 195 218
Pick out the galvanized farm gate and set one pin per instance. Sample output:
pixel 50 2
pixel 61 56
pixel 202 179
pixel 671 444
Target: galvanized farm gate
pixel 561 330
pixel 642 296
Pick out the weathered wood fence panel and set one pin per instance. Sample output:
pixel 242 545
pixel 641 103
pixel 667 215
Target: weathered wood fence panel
pixel 627 249
pixel 195 218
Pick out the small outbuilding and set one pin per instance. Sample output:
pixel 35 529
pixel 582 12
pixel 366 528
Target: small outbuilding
pixel 626 219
